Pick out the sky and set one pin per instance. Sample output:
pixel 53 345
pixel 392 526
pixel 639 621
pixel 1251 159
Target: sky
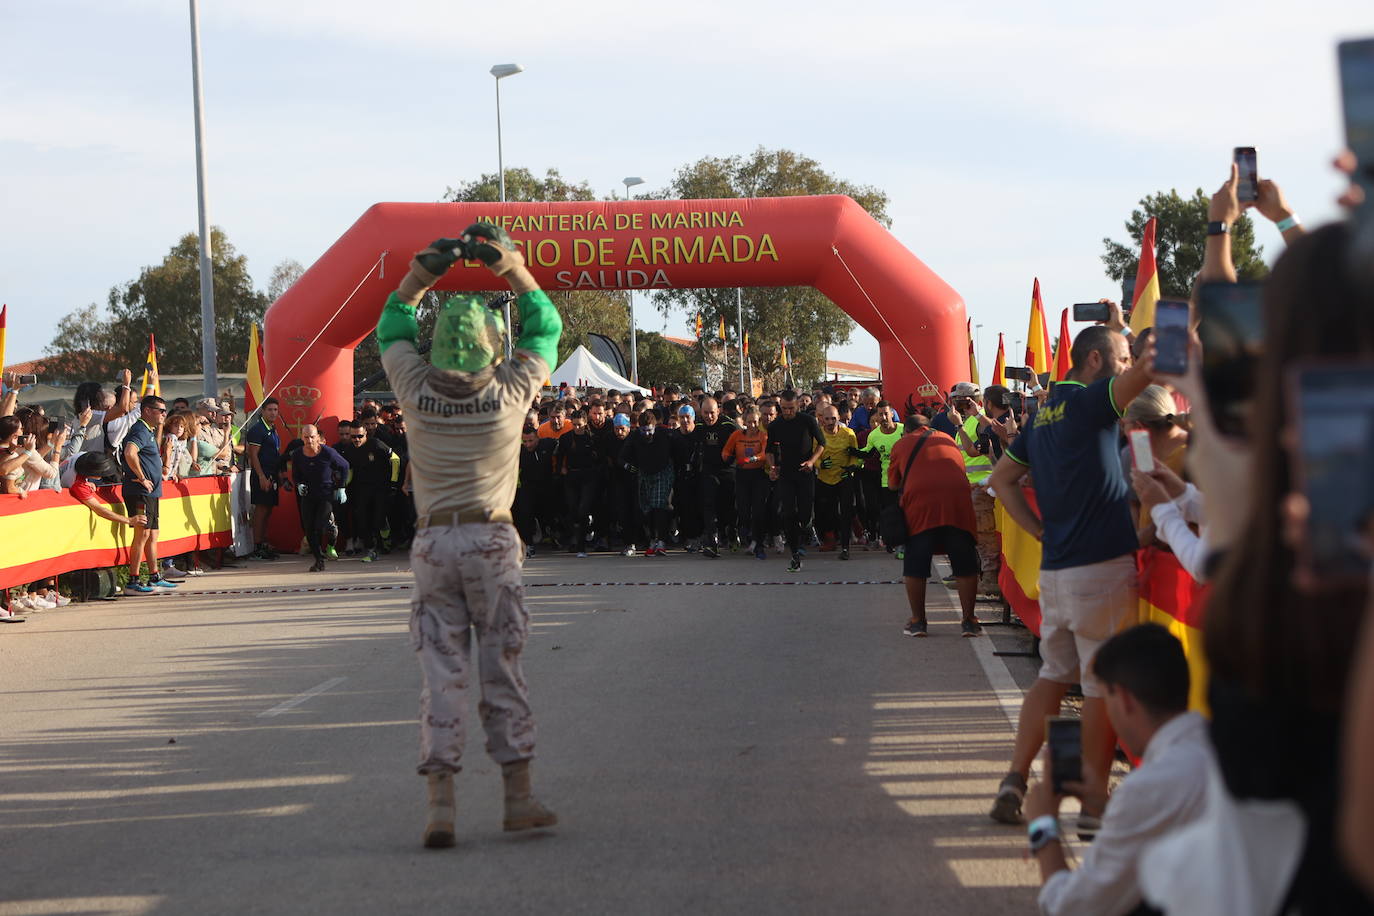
pixel 1011 138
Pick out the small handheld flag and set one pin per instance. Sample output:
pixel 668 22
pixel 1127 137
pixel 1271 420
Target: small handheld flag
pixel 1038 335
pixel 150 371
pixel 1062 362
pixel 999 376
pixel 972 357
pixel 1147 289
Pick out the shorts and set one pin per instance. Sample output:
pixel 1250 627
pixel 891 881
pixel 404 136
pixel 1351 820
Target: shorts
pixel 959 544
pixel 138 502
pixel 258 496
pixel 1080 608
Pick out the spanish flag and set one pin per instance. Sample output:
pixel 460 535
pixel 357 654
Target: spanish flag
pixel 721 332
pixel 1037 335
pixel 999 375
pixel 1146 282
pixel 746 344
pixel 252 389
pixel 1062 361
pixel 698 323
pixel 150 371
pixel 972 357
pixel 782 360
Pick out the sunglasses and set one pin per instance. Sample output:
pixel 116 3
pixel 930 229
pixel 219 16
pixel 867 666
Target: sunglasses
pixel 357 437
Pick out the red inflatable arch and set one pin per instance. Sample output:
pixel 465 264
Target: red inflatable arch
pixel 829 243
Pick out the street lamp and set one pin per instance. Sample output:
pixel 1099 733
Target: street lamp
pixel 501 71
pixel 977 339
pixel 630 296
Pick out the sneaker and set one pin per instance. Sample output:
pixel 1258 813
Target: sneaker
pixel 195 571
pixel 529 552
pixel 913 628
pixel 628 550
pixel 263 552
pixel 759 552
pixel 582 554
pixel 134 589
pixel 844 553
pixel 949 582
pixel 900 553
pixel 692 545
pixel 371 557
pixel 1006 808
pixel 971 628
pixel 1088 827
pixel 160 582
pixel 709 550
pixel 796 564
pixel 171 572
pixel 331 553
pixel 317 566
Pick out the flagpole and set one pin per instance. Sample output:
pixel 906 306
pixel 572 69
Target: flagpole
pixel 739 310
pixel 207 283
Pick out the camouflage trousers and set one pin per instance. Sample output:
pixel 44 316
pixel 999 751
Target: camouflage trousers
pixel 467 580
pixel 989 542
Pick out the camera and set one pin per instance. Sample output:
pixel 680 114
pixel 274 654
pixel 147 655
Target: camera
pixel 27 380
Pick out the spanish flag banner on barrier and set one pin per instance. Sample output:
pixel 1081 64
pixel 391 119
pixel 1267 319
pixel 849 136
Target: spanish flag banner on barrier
pixel 1168 595
pixel 50 533
pixel 1038 334
pixel 252 388
pixel 150 377
pixel 1170 598
pixel 1146 282
pixel 999 375
pixel 1063 361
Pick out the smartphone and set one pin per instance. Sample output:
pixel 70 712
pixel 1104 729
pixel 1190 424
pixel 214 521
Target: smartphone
pixel 1092 311
pixel 25 380
pixel 1357 102
pixel 1247 164
pixel 1231 327
pixel 1333 409
pixel 1127 293
pixel 1171 336
pixel 1019 373
pixel 1142 456
pixel 1065 739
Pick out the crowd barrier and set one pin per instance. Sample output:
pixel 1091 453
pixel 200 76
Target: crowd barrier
pixel 51 533
pixel 1168 595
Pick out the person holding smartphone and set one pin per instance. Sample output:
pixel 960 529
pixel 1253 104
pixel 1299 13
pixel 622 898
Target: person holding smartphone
pixel 1087 570
pixel 1145 680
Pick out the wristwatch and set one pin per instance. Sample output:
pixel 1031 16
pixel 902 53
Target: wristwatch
pixel 1218 227
pixel 1041 830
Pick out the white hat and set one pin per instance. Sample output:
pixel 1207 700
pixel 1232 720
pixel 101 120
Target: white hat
pixel 965 390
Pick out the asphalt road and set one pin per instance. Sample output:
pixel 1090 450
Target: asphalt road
pixel 750 746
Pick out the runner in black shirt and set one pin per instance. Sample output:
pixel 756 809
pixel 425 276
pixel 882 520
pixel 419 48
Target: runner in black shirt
pixel 579 462
pixel 717 497
pixel 795 444
pixel 687 485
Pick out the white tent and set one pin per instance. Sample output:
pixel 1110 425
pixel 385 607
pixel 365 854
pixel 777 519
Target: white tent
pixel 581 368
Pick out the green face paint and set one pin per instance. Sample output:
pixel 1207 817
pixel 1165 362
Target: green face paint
pixel 467 335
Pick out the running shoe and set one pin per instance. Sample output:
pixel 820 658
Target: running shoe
pixel 844 553
pixel 1006 808
pixel 900 553
pixel 371 557
pixel 582 554
pixel 796 564
pixel 133 589
pixel 628 550
pixel 710 550
pixel 915 629
pixel 171 572
pixel 331 553
pixel 529 552
pixel 971 628
pixel 160 582
pixel 759 552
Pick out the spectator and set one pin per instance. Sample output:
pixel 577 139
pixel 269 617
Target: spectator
pixel 1088 571
pixel 141 465
pixel 1153 411
pixel 1173 507
pixel 1144 675
pixel 317 471
pixel 927 471
pixel 91 469
pixel 264 443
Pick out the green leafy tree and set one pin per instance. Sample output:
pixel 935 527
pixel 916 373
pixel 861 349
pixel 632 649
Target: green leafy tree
pixel 806 319
pixel 583 311
pixel 662 362
pixel 81 349
pixel 1180 241
pixel 165 300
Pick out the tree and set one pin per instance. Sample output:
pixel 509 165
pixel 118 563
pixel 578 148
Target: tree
pixel 662 362
pixel 284 275
pixel 583 311
pixel 1180 241
pixel 81 350
pixel 806 319
pixel 165 300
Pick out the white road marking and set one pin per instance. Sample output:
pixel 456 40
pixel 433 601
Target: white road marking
pixel 1003 686
pixel 301 698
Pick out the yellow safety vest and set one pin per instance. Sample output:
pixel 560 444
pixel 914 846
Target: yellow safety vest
pixel 978 469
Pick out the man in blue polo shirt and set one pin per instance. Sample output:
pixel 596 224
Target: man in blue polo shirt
pixel 141 470
pixel 1087 569
pixel 264 473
